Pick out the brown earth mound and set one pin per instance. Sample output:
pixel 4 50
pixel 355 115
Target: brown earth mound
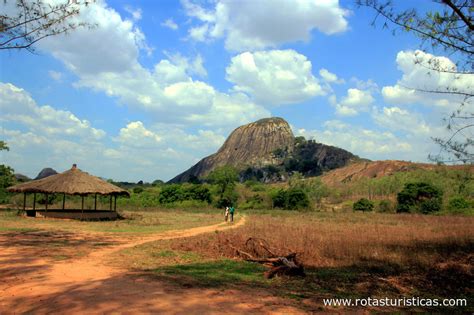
pixel 375 169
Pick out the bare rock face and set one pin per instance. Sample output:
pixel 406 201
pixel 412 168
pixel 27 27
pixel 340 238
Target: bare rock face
pixel 249 145
pixel 267 151
pixel 45 172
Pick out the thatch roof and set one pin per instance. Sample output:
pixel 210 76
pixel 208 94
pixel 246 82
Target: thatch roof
pixel 71 182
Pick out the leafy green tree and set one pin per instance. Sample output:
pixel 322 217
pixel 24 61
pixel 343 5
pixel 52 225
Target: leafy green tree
pixel 7 177
pixel 450 28
pixel 419 197
pixel 225 178
pixel 297 199
pixel 170 193
pixel 363 204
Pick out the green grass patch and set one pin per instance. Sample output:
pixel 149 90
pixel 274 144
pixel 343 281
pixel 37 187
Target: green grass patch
pixel 217 273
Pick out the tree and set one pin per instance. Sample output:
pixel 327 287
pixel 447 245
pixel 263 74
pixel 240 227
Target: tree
pixel 419 197
pixel 451 29
pixel 225 177
pixel 24 22
pixel 363 204
pixel 7 177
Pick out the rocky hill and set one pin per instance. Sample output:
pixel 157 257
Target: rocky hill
pixel 45 172
pixel 266 150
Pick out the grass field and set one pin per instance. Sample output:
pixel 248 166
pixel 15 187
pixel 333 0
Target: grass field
pixel 134 222
pixel 347 255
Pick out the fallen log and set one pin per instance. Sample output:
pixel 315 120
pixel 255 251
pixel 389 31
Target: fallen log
pixel 279 265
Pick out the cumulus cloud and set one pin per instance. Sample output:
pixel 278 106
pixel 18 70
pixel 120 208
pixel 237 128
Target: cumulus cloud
pixel 395 118
pixel 354 102
pixel 417 76
pixel 169 23
pixel 17 105
pixel 255 25
pixel 364 142
pixel 330 77
pixel 274 77
pixel 170 91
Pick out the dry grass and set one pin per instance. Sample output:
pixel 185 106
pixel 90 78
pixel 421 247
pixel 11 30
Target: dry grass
pixel 341 239
pixel 362 254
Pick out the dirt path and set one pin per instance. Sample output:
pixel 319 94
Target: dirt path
pixel 88 285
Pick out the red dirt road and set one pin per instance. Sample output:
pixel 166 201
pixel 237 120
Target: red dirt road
pixel 30 283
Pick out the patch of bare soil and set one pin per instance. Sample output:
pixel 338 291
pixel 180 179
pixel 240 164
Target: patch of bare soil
pixel 70 276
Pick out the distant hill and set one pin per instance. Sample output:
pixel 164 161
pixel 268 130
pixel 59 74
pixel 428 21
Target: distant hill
pixel 374 169
pixel 45 172
pixel 21 178
pixel 267 150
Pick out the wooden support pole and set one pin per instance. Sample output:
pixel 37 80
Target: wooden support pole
pixel 115 203
pixel 24 201
pixel 82 203
pixel 110 206
pixel 34 201
pixel 46 203
pixel 64 200
pixel 95 202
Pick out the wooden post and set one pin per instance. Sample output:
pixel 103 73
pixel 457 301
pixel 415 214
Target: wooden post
pixel 115 203
pixel 95 202
pixel 34 201
pixel 110 203
pixel 82 203
pixel 64 199
pixel 24 201
pixel 46 203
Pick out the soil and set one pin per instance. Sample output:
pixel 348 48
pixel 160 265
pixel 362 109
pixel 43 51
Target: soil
pixel 78 280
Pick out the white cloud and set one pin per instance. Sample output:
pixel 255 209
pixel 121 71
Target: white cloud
pixel 274 77
pixel 136 135
pixel 170 91
pixel 255 25
pixel 17 105
pixel 136 13
pixel 169 23
pixel 396 118
pixel 354 102
pixel 55 75
pixel 330 77
pixel 417 76
pixel 366 143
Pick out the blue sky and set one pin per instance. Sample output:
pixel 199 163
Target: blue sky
pixel 157 85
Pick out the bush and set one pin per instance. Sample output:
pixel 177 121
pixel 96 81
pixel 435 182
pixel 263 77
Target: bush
pixel 137 190
pixel 458 203
pixel 385 206
pixel 363 204
pixel 419 197
pixel 297 199
pixel 293 198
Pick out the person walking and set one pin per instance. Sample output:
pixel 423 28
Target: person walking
pixel 231 212
pixel 226 214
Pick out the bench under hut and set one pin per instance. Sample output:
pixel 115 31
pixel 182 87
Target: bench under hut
pixel 71 182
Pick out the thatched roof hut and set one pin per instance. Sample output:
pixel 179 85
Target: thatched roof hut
pixel 71 182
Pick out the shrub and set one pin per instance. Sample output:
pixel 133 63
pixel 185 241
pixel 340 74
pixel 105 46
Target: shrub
pixel 363 204
pixel 419 197
pixel 137 190
pixel 170 193
pixel 297 199
pixel 279 199
pixel 385 206
pixel 293 198
pixel 458 203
